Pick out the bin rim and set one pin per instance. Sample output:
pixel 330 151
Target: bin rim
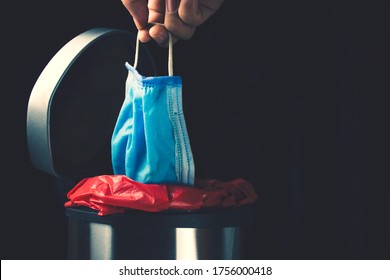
pixel 202 218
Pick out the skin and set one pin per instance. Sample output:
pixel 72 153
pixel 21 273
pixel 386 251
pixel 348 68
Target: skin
pixel 155 18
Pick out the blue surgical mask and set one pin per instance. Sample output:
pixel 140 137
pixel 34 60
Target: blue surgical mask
pixel 150 143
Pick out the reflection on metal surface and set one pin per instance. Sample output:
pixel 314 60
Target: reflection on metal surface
pixel 101 242
pixel 186 244
pixel 207 243
pixel 136 236
pixel 230 243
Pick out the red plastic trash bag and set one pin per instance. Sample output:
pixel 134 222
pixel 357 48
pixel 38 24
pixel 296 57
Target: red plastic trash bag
pixel 111 194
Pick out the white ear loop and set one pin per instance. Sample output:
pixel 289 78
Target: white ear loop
pixel 170 54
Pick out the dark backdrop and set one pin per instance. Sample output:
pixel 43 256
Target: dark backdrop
pixel 291 96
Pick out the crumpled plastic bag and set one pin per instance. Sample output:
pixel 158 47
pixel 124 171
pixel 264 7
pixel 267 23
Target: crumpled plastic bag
pixel 109 194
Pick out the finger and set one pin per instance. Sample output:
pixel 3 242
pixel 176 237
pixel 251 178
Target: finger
pixel 173 22
pixel 196 12
pixel 139 11
pixel 156 11
pixel 172 6
pixel 143 36
pixel 160 35
pixel 177 27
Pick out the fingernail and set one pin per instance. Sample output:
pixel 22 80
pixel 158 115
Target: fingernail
pixel 171 6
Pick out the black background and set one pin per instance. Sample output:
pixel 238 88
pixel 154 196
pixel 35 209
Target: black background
pixel 291 96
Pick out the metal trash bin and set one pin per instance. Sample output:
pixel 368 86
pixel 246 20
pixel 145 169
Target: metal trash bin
pixel 181 235
pixel 71 114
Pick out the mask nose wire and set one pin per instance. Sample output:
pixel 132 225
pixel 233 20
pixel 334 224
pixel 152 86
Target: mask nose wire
pixel 170 53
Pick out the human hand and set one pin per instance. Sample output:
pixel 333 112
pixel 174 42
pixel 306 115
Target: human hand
pixel 178 17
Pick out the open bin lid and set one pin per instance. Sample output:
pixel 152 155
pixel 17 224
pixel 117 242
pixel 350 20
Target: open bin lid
pixel 75 102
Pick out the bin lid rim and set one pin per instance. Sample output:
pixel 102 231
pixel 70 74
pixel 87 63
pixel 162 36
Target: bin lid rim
pixel 38 123
pixel 202 218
